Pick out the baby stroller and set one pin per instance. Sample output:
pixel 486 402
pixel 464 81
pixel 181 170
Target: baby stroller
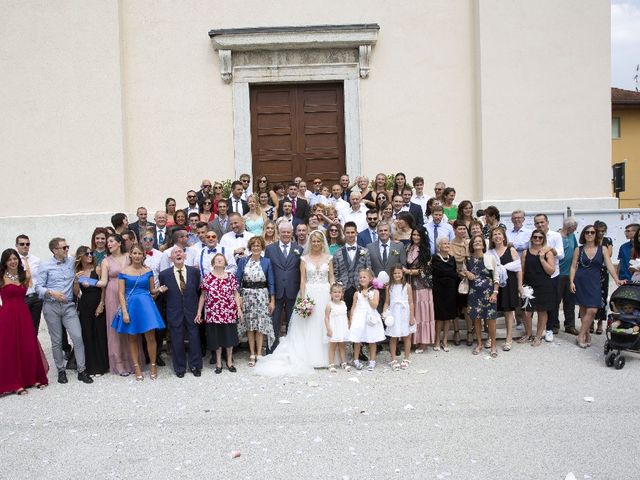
pixel 623 325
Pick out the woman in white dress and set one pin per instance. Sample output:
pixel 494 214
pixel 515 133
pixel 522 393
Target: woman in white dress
pixel 304 348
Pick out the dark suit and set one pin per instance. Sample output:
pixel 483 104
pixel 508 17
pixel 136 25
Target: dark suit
pixel 135 227
pixel 364 238
pixel 156 243
pixel 231 203
pixel 182 308
pixel 346 271
pixel 286 272
pixel 216 226
pixel 396 254
pixel 416 212
pixel 302 209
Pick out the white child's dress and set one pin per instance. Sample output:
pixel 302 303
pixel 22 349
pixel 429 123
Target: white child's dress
pixel 338 322
pixel 399 308
pixel 361 329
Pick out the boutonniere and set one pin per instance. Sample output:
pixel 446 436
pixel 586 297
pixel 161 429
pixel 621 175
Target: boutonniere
pixel 362 252
pixel 296 251
pixel 395 252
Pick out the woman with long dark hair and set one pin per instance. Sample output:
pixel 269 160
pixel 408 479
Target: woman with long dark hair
pixel 21 361
pixel 418 271
pixel 170 208
pixel 399 182
pixel 99 244
pixel 607 244
pixel 465 214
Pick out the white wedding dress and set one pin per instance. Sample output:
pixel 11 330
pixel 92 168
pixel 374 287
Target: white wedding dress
pixel 304 348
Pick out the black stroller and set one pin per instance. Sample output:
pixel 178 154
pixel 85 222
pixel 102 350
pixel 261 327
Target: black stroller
pixel 623 325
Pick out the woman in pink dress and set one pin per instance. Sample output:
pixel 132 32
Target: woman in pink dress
pixel 119 357
pixel 223 306
pixel 419 275
pixel 21 360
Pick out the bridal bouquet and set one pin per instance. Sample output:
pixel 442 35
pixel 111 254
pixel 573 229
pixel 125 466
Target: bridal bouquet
pixel 381 280
pixel 304 306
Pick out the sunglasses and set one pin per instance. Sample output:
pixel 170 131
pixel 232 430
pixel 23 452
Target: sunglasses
pixel 207 203
pixel 262 181
pixel 25 244
pixel 218 187
pixel 65 248
pixel 191 196
pixel 148 239
pixel 590 232
pixel 537 237
pixel 88 254
pixel 333 230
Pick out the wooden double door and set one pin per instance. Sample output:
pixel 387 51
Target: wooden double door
pixel 297 130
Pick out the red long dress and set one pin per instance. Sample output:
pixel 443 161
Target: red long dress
pixel 21 363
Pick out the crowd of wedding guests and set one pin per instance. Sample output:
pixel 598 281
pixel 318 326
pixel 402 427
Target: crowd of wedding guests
pixel 199 279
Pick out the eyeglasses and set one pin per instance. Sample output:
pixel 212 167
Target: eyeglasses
pixel 537 237
pixel 148 239
pixel 25 244
pixel 88 254
pixel 191 196
pixel 437 189
pixel 65 248
pixel 590 232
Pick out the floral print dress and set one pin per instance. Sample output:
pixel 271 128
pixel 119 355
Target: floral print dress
pixel 480 289
pixel 256 303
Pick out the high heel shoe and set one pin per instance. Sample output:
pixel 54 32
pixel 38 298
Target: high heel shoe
pixel 153 371
pixel 138 372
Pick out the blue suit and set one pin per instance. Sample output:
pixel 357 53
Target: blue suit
pixel 364 238
pixel 286 273
pixel 182 308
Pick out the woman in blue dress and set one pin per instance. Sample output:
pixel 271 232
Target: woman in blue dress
pixel 584 279
pixel 139 314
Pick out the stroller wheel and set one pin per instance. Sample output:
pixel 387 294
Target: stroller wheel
pixel 620 361
pixel 607 348
pixel 611 359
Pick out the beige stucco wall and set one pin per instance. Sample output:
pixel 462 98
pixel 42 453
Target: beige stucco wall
pixel 115 104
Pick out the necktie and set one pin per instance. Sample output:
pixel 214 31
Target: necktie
pixel 384 253
pixel 351 248
pixel 435 233
pixel 160 237
pixel 224 224
pixel 183 285
pixel 285 250
pixel 237 210
pixel 374 236
pixel 293 206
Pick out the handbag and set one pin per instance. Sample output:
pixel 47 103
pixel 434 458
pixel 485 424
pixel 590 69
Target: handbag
pixel 463 287
pixel 388 318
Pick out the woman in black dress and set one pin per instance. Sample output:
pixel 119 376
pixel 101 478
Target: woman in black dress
pixel 538 264
pixel 508 297
pixel 91 312
pixel 607 244
pixel 445 289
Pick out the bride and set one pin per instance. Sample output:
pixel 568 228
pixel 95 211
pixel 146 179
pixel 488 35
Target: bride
pixel 305 347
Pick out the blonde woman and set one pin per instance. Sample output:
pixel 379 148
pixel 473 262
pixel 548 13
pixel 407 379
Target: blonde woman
pixel 270 232
pixel 254 220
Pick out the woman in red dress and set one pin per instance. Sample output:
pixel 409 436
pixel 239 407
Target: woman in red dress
pixel 223 306
pixel 20 354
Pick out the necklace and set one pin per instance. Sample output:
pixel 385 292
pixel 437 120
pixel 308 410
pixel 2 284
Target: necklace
pixel 581 259
pixel 444 259
pixel 11 276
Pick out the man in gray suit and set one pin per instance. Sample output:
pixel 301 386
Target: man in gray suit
pixel 221 223
pixel 385 253
pixel 348 261
pixel 285 261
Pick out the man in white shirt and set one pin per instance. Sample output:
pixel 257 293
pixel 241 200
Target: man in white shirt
pixel 161 228
pixel 356 213
pixel 438 190
pixel 237 239
pixel 418 197
pixel 245 179
pixel 32 263
pixel 518 236
pixel 438 228
pixel 201 230
pixel 192 203
pixel 554 242
pixel 336 199
pixel 180 237
pixel 210 250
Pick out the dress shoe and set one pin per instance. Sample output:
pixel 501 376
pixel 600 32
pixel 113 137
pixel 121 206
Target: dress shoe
pixel 62 377
pixel 218 370
pixel 84 377
pixel 196 372
pixel 160 362
pixel 180 374
pixel 571 330
pixel 232 368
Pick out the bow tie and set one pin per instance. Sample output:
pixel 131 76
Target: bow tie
pixel 149 253
pixel 351 248
pixel 212 250
pixel 239 235
pixel 406 205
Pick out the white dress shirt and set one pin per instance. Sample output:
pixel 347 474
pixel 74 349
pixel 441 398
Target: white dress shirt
pixel 420 200
pixel 358 216
pixel 206 254
pixel 519 238
pixel 190 260
pixel 34 264
pixel 554 240
pixel 231 242
pixel 352 252
pixel 153 263
pixel 162 230
pixel 340 205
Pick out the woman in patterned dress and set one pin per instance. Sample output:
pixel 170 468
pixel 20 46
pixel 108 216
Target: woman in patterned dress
pixel 483 292
pixel 257 289
pixel 223 305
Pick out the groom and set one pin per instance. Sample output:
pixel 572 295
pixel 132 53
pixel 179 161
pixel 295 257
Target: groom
pixel 285 261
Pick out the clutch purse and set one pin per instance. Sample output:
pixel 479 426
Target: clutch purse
pixel 463 287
